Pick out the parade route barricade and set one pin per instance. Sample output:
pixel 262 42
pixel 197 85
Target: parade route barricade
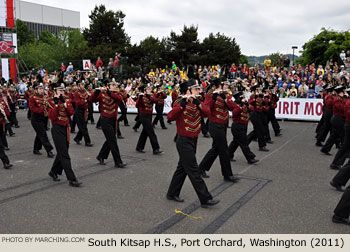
pixel 299 109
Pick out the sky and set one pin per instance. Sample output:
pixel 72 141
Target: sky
pixel 259 27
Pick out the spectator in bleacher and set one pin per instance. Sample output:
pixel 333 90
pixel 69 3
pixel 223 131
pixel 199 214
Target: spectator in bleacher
pixel 302 93
pixel 342 55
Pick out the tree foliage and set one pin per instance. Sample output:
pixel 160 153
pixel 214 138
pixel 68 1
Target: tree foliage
pixel 24 35
pixel 324 46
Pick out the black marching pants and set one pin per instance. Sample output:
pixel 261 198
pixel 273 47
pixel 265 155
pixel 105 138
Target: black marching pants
pixel 343 207
pixel 343 175
pixel 110 145
pixel 62 160
pixel 159 116
pixel 147 131
pixel 239 132
pixel 336 133
pixel 219 148
pixel 256 119
pixel 273 120
pixel 123 112
pixel 39 124
pixel 3 156
pixel 344 151
pixel 326 126
pixel 187 166
pixel 82 126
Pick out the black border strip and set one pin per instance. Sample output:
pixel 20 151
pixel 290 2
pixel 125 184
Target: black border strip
pixel 175 218
pixel 21 195
pixel 229 212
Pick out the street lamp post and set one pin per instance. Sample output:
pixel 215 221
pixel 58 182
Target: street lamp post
pixel 294 47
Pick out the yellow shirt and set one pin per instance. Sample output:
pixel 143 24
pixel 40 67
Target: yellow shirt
pixel 267 62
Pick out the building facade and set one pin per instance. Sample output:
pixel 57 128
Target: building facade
pixel 40 18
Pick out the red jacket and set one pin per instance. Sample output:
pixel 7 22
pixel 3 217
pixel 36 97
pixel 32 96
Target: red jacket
pixel 347 110
pixel 160 98
pixel 28 94
pixel 80 99
pixel 329 102
pixel 37 104
pixel 217 111
pixel 2 116
pixel 58 114
pixel 188 120
pixel 108 104
pixel 256 103
pixel 338 106
pixel 273 101
pixel 240 114
pixel 146 104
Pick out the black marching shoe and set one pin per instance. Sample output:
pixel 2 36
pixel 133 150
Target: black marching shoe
pixel 319 144
pixel 73 132
pixel 77 142
pixel 126 125
pixel 139 150
pixel 233 160
pixel 7 166
pixel 337 187
pixel 75 183
pixel 54 176
pixel 158 152
pixel 16 126
pixel 232 178
pixel 120 165
pixel 120 137
pixel 101 160
pixel 335 166
pixel 135 129
pixel 169 122
pixel 12 134
pixel 209 203
pixel 174 198
pixel 263 149
pixel 269 141
pixel 206 135
pixel 340 220
pixel 204 174
pixel 36 152
pixel 253 161
pixel 6 148
pixel 278 134
pixel 164 127
pixel 50 154
pixel 326 153
pixel 89 144
pixel 98 127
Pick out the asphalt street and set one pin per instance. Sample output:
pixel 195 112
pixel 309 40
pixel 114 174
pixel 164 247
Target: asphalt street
pixel 288 191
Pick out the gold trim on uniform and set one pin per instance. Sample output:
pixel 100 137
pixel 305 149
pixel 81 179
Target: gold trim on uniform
pixel 221 110
pixel 193 130
pixel 109 111
pixel 192 123
pixel 221 117
pixel 191 115
pixel 62 118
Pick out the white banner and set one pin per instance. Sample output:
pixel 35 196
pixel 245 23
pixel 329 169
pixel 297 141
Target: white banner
pixel 299 109
pixel 295 109
pixel 14 38
pixel 86 64
pixel 5 68
pixel 3 13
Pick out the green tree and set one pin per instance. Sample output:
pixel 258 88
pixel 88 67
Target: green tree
pixel 220 49
pixel 24 35
pixel 275 57
pixel 107 29
pixel 324 46
pixel 185 47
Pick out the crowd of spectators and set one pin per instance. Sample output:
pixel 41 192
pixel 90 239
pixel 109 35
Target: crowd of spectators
pixel 292 81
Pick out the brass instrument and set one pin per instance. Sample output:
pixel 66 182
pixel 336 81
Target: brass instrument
pixel 2 111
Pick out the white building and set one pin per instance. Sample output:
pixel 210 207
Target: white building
pixel 40 18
